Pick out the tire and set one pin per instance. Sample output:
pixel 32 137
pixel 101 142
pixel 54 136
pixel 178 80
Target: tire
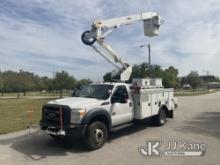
pixel 160 119
pixel 96 135
pixel 170 114
pixel 56 137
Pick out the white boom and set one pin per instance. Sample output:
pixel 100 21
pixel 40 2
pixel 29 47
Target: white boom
pixel 100 29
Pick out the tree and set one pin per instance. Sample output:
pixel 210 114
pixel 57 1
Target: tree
pixel 1 85
pixel 83 82
pixel 18 81
pixel 193 79
pixel 139 71
pixel 107 77
pixel 11 82
pixel 169 75
pixel 63 80
pixel 41 84
pixel 25 81
pixel 156 71
pixel 170 78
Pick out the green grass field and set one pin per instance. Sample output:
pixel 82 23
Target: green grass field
pixel 192 93
pixel 14 113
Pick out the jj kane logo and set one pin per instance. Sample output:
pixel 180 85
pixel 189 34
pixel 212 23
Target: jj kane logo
pixel 152 148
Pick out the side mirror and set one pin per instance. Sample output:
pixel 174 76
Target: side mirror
pixel 110 92
pixel 113 99
pixel 121 100
pixel 125 100
pixel 72 93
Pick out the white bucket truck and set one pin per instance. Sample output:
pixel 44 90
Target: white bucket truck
pixel 98 108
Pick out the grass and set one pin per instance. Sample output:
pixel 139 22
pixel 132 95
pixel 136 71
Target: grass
pixel 192 93
pixel 28 94
pixel 14 114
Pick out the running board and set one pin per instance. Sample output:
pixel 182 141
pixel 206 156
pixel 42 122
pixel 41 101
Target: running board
pixel 119 127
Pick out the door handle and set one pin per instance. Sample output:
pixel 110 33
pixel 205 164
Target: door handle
pixel 130 104
pixel 113 113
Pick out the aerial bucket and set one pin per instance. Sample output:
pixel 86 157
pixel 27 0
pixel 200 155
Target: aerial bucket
pixel 151 26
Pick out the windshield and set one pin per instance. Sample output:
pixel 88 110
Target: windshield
pixel 94 91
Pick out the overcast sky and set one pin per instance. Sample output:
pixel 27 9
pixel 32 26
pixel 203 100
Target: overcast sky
pixel 43 36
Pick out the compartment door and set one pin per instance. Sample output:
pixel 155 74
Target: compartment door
pixel 154 104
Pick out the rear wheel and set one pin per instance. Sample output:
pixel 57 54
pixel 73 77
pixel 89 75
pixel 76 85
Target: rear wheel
pixel 170 114
pixel 96 135
pixel 160 119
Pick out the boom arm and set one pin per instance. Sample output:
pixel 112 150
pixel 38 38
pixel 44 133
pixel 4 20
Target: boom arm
pixel 100 29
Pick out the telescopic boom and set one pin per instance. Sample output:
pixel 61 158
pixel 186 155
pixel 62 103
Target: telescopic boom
pixel 101 29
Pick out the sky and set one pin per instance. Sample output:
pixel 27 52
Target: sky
pixel 44 36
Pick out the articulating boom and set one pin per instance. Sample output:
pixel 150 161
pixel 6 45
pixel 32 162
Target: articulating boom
pixel 100 29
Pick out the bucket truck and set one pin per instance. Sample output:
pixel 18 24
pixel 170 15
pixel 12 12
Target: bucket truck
pixel 97 109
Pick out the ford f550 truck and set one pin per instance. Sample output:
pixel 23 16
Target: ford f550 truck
pixel 98 108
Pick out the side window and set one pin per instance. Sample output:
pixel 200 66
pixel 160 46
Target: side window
pixel 120 95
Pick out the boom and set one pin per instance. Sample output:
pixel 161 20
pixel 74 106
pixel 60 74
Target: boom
pixel 100 29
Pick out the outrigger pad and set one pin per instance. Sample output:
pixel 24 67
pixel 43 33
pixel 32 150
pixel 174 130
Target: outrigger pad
pixel 88 38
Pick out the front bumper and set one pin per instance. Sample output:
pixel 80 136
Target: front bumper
pixel 72 130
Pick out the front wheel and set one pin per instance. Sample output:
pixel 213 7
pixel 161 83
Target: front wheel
pixel 96 135
pixel 160 118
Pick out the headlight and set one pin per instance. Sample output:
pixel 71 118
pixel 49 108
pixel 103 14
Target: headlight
pixel 77 115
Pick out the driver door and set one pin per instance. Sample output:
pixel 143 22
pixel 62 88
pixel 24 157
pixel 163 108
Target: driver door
pixel 121 106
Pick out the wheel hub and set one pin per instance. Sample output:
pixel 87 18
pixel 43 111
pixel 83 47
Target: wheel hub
pixel 162 117
pixel 99 135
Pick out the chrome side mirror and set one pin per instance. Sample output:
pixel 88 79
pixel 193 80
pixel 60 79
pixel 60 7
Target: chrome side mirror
pixel 110 92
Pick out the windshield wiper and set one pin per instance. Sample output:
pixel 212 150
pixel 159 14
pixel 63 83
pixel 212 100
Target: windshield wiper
pixel 89 96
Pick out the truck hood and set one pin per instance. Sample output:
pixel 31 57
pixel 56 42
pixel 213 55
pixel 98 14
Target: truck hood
pixel 77 102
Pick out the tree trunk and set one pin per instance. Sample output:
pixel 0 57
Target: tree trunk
pixel 61 93
pixel 18 95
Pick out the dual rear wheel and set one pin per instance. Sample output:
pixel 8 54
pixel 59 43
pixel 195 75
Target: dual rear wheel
pixel 160 119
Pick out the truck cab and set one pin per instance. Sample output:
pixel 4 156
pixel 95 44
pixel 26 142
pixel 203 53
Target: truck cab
pixel 109 103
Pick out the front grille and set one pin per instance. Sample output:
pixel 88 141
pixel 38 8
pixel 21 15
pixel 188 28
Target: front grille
pixel 51 113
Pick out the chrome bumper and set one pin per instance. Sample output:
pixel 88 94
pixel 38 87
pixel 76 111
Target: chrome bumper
pixel 51 130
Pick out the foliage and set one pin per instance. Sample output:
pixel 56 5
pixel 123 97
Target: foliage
pixel 107 77
pixel 22 81
pixel 169 75
pixel 1 85
pixel 193 79
pixel 63 80
pixel 83 82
